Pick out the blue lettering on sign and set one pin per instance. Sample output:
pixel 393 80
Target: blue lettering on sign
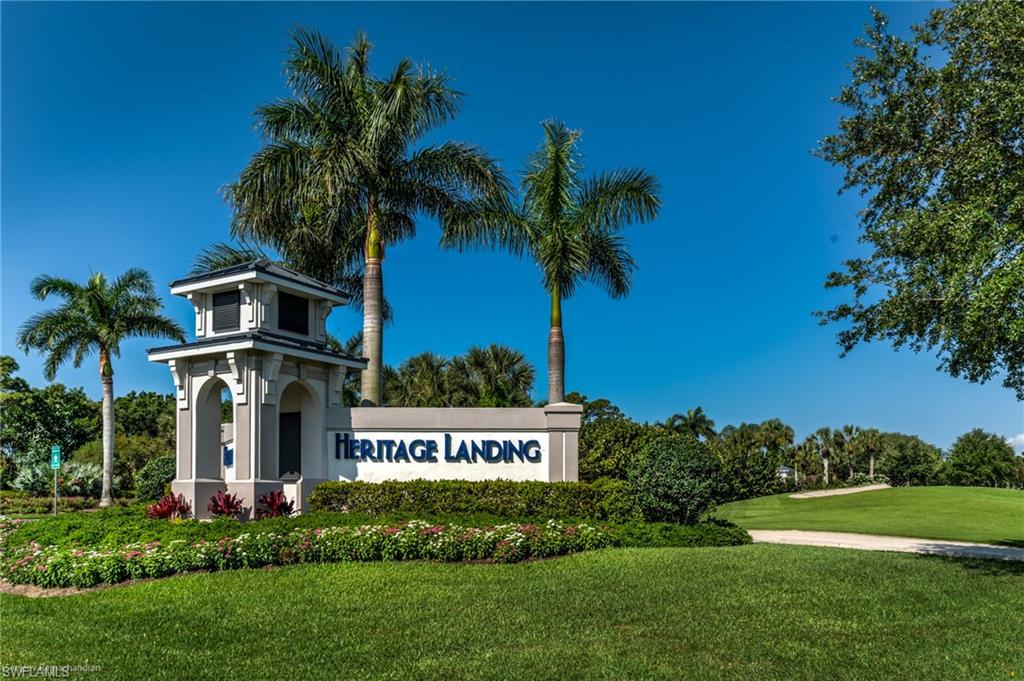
pixel 352 448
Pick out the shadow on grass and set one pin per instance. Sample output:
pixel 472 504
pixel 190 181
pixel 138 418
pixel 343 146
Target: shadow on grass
pixel 991 564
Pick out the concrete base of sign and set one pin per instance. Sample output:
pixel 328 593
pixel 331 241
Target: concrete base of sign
pixel 197 493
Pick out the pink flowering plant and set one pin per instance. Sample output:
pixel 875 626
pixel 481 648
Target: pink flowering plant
pixel 414 540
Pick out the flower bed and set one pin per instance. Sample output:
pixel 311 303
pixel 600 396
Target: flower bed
pixel 414 540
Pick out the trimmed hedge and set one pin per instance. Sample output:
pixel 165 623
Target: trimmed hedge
pixel 608 500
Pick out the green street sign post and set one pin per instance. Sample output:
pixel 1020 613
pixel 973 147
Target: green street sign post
pixel 55 465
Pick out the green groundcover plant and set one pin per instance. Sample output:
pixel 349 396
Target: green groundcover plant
pixel 57 566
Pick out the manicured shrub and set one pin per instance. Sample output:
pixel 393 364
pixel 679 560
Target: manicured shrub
pixel 151 482
pixel 170 507
pixel 608 446
pixel 607 500
pixel 657 535
pixel 677 479
pixel 224 505
pixel 273 504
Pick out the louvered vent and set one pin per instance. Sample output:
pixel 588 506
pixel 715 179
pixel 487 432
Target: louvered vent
pixel 225 311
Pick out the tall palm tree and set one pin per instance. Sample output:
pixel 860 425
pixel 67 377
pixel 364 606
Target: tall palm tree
pixel 694 421
pixel 495 376
pixel 96 317
pixel 569 226
pixel 338 180
pixel 824 442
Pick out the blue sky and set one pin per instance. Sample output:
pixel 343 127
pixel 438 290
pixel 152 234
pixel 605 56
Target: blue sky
pixel 122 121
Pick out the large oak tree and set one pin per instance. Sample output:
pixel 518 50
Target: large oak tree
pixel 934 141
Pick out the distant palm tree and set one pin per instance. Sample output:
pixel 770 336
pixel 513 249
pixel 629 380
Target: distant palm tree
pixel 421 381
pixel 96 317
pixel 338 180
pixel 869 442
pixel 496 376
pixel 694 422
pixel 569 226
pixel 849 445
pixel 824 441
pixel 354 347
pixel 806 458
pixel 775 438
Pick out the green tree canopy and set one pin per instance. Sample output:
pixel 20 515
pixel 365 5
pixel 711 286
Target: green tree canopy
pixel 980 458
pixel 34 419
pixel 934 141
pixel 909 460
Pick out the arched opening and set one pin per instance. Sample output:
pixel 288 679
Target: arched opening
pixel 215 439
pixel 300 424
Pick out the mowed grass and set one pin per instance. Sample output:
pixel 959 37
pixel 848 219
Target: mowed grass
pixel 751 612
pixel 979 514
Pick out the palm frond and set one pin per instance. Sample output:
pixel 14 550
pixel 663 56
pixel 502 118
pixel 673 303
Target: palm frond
pixel 610 265
pixel 44 286
pixel 615 199
pixel 218 255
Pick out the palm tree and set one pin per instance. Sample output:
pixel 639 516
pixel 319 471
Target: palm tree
pixel 569 226
pixel 96 317
pixel 806 458
pixel 496 376
pixel 421 381
pixel 338 181
pixel 824 442
pixel 775 436
pixel 694 421
pixel 849 438
pixel 869 441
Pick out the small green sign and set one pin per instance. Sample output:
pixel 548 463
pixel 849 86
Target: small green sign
pixel 55 457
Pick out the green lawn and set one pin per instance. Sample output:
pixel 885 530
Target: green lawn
pixel 979 514
pixel 751 612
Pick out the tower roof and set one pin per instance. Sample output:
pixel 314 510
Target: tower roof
pixel 259 270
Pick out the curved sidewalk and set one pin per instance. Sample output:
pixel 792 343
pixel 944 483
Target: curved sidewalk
pixel 873 542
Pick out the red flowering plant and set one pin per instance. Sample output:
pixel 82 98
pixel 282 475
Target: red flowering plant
pixel 169 507
pixel 224 505
pixel 273 504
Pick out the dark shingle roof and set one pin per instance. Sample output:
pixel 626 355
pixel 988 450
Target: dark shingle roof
pixel 286 342
pixel 268 267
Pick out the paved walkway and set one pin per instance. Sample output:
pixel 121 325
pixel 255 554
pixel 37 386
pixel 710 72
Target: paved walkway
pixel 837 492
pixel 872 542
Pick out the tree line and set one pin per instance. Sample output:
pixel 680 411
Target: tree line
pixel 764 458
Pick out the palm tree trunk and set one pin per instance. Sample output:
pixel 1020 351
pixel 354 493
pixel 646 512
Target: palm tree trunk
pixel 556 352
pixel 107 377
pixel 373 317
pixel 826 472
pixel 871 465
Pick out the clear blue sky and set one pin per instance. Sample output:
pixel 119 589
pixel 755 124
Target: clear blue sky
pixel 122 121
